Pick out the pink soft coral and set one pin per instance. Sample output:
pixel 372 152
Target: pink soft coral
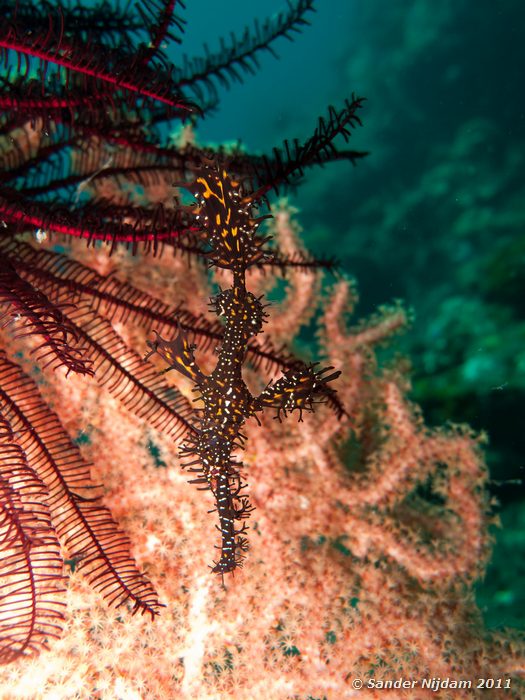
pixel 367 535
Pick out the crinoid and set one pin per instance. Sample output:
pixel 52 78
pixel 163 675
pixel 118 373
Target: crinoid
pixel 84 92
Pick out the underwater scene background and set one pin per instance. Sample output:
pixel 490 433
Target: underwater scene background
pixel 433 216
pixel 379 505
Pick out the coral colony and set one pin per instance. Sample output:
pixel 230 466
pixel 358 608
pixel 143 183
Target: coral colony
pixel 366 529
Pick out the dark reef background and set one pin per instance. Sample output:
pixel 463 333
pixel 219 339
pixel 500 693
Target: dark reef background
pixel 434 216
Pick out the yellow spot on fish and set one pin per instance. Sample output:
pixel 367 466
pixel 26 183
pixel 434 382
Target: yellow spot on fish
pixel 209 193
